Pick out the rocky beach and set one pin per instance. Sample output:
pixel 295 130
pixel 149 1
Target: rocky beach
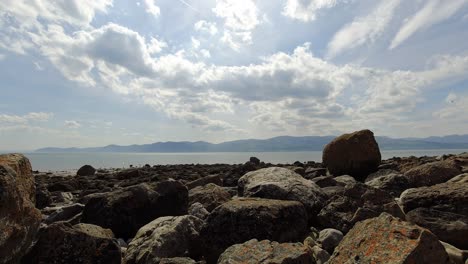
pixel 353 207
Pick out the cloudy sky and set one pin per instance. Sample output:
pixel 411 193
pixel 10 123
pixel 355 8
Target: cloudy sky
pixel 97 72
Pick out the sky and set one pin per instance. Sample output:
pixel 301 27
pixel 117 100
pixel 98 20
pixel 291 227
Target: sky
pixel 97 72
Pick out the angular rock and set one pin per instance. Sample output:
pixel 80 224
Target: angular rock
pixel 311 172
pixel 456 255
pixel 19 218
pixel 358 202
pixel 356 154
pixel 127 210
pixel 449 197
pixel 320 255
pixel 210 196
pixel 283 184
pixel 198 210
pixel 344 180
pixel 64 213
pixel 86 170
pixel 325 181
pixel 43 197
pixel 329 238
pixel 255 160
pixel 216 179
pixel 62 243
pixel 380 173
pixel 266 252
pixel 243 219
pixel 392 183
pixel 386 239
pixel 165 237
pixel 432 173
pixel 449 227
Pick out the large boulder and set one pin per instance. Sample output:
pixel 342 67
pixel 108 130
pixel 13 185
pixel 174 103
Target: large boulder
pixel 449 227
pixel 356 154
pixel 86 170
pixel 165 237
pixel 243 219
pixel 127 210
pixel 62 243
pixel 386 239
pixel 357 202
pixel 432 173
pixel 266 252
pixel 283 184
pixel 19 219
pixel 210 196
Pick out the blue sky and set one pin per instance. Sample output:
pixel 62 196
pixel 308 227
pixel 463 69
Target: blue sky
pixel 92 73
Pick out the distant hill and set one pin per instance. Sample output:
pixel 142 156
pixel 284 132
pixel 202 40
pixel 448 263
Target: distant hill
pixel 276 144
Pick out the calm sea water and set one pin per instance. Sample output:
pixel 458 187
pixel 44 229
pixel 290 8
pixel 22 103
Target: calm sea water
pixel 73 161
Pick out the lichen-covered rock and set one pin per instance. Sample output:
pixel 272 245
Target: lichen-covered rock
pixel 356 154
pixel 165 237
pixel 432 173
pixel 127 210
pixel 62 243
pixel 210 196
pixel 283 184
pixel 19 218
pixel 386 239
pixel 266 252
pixel 243 219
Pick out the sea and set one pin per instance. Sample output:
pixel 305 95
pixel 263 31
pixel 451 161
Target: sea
pixel 73 161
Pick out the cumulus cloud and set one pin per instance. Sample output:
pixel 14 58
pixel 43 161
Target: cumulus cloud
pixel 240 19
pixel 152 8
pixel 364 29
pixel 206 27
pixel 72 124
pixel 433 12
pixel 24 119
pixel 306 10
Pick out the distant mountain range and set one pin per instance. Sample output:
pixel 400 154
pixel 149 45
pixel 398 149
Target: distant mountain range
pixel 276 144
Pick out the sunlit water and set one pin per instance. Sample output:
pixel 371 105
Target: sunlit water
pixel 73 161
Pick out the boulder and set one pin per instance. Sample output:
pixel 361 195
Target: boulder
pixel 86 170
pixel 266 252
pixel 356 154
pixel 432 173
pixel 255 160
pixel 386 239
pixel 283 184
pixel 357 202
pixel 456 255
pixel 320 255
pixel 127 210
pixel 312 172
pixel 198 210
pixel 216 179
pixel 344 180
pixel 62 243
pixel 43 197
pixel 393 183
pixel 449 197
pixel 325 181
pixel 64 213
pixel 449 227
pixel 19 218
pixel 210 196
pixel 380 173
pixel 460 179
pixel 165 237
pixel 329 238
pixel 243 219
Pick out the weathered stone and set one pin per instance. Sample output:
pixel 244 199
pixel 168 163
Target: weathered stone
pixel 386 239
pixel 243 219
pixel 19 219
pixel 43 197
pixel 283 184
pixel 198 210
pixel 165 237
pixel 210 196
pixel 356 154
pixel 394 184
pixel 380 173
pixel 460 179
pixel 432 173
pixel 86 170
pixel 312 172
pixel 344 180
pixel 62 243
pixel 357 202
pixel 215 179
pixel 320 255
pixel 127 210
pixel 325 181
pixel 64 213
pixel 255 160
pixel 266 252
pixel 456 255
pixel 177 261
pixel 449 227
pixel 329 238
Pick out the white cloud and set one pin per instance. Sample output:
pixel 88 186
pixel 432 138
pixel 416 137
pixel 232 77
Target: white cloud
pixel 364 29
pixel 156 46
pixel 433 12
pixel 24 119
pixel 455 108
pixel 206 27
pixel 240 19
pixel 152 8
pixel 72 124
pixel 195 43
pixel 306 10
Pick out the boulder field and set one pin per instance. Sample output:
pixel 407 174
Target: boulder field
pixel 353 207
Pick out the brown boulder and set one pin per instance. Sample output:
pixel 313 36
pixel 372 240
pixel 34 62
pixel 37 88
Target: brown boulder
pixel 386 239
pixel 432 173
pixel 19 219
pixel 356 154
pixel 210 196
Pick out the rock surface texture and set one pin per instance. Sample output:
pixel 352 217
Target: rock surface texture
pixel 432 173
pixel 356 154
pixel 386 239
pixel 19 219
